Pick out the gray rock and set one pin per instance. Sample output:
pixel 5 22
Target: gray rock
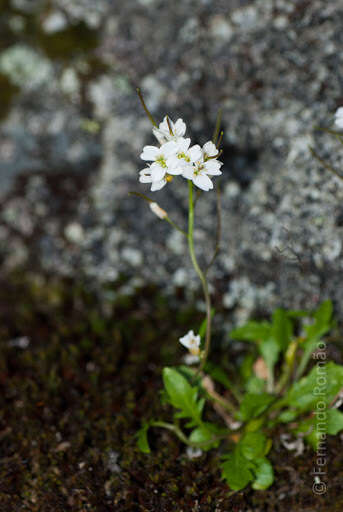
pixel 273 67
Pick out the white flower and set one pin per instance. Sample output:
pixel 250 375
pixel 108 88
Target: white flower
pixel 209 150
pixel 145 176
pixel 191 342
pixel 162 133
pixel 159 156
pixel 339 118
pixel 199 172
pixel 185 156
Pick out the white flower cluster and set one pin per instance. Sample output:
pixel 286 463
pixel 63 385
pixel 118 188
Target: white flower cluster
pixel 176 156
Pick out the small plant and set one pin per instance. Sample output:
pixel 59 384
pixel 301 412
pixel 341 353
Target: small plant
pixel 274 384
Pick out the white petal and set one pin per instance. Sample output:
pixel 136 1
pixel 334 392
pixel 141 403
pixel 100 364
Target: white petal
pixel 157 185
pixel 164 125
pixel 202 181
pixel 173 161
pixel 175 171
pixel 195 153
pixel 339 112
pixel 186 340
pixel 169 148
pixel 212 167
pixel 145 176
pixel 210 149
pixel 150 153
pixel 159 135
pixel 183 144
pixel 157 172
pixel 179 128
pixel 188 172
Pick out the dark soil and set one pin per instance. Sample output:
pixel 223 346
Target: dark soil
pixel 72 401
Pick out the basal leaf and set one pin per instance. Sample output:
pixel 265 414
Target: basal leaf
pixel 252 331
pixel 282 328
pixel 142 439
pixel 182 395
pixel 264 474
pixel 253 404
pixel 253 445
pixel 236 470
pixel 334 421
pixel 204 434
pixel 321 384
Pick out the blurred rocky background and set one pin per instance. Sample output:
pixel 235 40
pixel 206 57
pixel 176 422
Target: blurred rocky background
pixel 72 129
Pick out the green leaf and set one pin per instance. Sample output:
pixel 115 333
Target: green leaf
pixel 270 350
pixel 334 421
pixel 142 439
pixel 252 331
pixel 182 396
pixel 236 470
pixel 253 445
pixel 322 321
pixel 205 433
pixel 264 474
pixel 287 416
pixel 321 325
pixel 246 368
pixel 312 434
pixel 282 328
pixel 321 384
pixel 297 313
pixel 253 404
pixel 255 385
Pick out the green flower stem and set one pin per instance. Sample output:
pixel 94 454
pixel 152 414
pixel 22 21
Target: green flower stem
pixel 172 223
pixel 201 275
pixel 288 366
pixel 178 432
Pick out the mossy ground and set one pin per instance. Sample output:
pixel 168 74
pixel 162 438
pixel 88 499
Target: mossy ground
pixel 72 401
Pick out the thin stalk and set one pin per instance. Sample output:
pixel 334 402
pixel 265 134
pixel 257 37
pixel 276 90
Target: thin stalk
pixel 217 127
pixel 201 275
pixel 172 223
pixel 140 95
pixel 325 164
pixel 168 219
pixel 178 432
pixel 220 140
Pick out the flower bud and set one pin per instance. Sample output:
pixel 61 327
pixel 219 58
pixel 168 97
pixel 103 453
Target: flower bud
pixel 157 210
